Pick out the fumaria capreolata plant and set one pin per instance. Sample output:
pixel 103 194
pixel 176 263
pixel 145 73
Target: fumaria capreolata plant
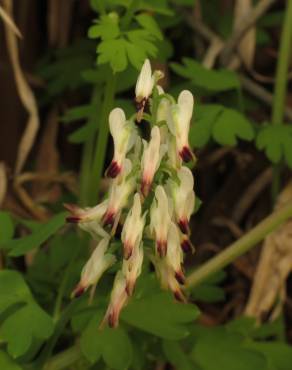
pixel 151 195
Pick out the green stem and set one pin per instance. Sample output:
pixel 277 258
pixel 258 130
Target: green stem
pixel 64 359
pixel 281 84
pixel 241 246
pixel 88 147
pixel 126 20
pixel 102 139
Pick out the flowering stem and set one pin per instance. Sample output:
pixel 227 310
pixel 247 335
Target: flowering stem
pixel 88 147
pixel 101 145
pixel 241 246
pixel 281 83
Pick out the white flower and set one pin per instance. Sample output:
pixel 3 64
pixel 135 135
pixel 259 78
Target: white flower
pixel 160 219
pixel 167 278
pixel 151 158
pixel 183 197
pixel 179 125
pixel 119 298
pixel 124 138
pixel 144 86
pixel 120 190
pixel 95 267
pixel 89 218
pixel 133 227
pixel 174 255
pixel 132 267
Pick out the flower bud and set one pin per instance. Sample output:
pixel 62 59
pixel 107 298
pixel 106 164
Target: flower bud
pixel 144 86
pixel 95 267
pixel 150 160
pixel 120 190
pixel 179 125
pixel 118 300
pixel 132 267
pixel 160 219
pixel 183 198
pixel 124 138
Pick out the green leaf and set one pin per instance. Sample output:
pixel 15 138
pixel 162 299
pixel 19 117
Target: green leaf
pixel 149 314
pixel 210 80
pixel 20 246
pixel 114 53
pixel 176 356
pixel 225 125
pixel 107 27
pixel 208 293
pixel 6 363
pixel 25 322
pixel 201 129
pixel 28 322
pixel 83 133
pixel 278 355
pixel 217 349
pixel 78 113
pixel 231 125
pixel 149 23
pixel 276 141
pixel 13 289
pixel 113 345
pixel 6 227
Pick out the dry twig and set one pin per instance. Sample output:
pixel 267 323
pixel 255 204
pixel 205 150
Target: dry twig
pixel 26 96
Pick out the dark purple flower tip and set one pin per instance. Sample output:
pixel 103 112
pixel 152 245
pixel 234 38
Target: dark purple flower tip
pixel 186 154
pixel 184 225
pixel 180 277
pixel 109 218
pixel 113 170
pixel 186 245
pixel 161 247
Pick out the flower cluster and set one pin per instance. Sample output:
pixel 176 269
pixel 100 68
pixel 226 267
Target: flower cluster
pixel 151 195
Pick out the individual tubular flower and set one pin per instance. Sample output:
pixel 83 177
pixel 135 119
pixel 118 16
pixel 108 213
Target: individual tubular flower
pixel 183 198
pixel 179 124
pixel 144 86
pixel 150 160
pixel 160 219
pixel 133 227
pixel 95 267
pixel 132 267
pixel 124 138
pixel 88 219
pixel 120 190
pixel 167 278
pixel 119 298
pixel 174 255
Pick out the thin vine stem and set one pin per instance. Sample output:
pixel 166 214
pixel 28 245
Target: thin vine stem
pixel 241 246
pixel 102 139
pixel 281 85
